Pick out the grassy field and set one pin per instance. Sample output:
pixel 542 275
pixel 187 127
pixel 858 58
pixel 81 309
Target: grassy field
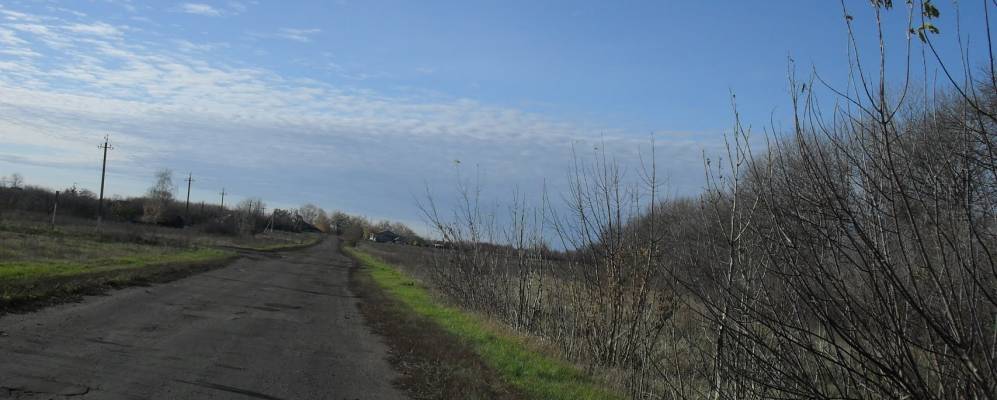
pixel 535 375
pixel 43 266
pixel 32 257
pixel 41 263
pixel 151 234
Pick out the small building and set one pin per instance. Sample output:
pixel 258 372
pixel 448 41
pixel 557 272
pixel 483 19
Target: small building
pixel 383 237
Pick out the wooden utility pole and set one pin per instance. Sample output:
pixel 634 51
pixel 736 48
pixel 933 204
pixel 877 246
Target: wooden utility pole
pixel 190 178
pixel 223 199
pixel 55 208
pixel 269 227
pixel 103 172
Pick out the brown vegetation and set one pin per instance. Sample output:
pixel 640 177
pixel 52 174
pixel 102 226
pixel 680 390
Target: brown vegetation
pixel 854 256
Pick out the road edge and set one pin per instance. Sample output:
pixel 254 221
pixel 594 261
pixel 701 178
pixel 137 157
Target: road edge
pixel 433 363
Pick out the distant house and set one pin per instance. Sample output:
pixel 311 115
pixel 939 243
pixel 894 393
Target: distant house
pixel 384 237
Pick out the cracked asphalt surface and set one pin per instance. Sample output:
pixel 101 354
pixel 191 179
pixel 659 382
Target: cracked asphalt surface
pixel 268 326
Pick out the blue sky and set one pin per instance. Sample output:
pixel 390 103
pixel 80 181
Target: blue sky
pixel 357 105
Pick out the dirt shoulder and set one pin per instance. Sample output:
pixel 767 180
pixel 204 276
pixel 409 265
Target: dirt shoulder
pixel 434 363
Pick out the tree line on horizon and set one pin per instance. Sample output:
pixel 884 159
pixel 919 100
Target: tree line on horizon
pixel 159 206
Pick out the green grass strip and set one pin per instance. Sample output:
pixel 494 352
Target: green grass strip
pixel 536 375
pixel 31 270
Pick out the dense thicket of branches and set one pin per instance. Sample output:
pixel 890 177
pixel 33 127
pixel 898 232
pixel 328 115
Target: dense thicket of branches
pixel 853 257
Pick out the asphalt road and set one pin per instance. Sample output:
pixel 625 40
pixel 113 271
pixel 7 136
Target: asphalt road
pixel 269 326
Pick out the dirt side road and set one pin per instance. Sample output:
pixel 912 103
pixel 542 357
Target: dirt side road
pixel 274 326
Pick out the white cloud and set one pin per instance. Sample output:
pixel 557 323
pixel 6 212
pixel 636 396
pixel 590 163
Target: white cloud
pixel 32 28
pixel 96 29
pixel 9 38
pixel 19 52
pixel 105 78
pixel 299 35
pixel 17 16
pixel 188 46
pixel 168 108
pixel 200 9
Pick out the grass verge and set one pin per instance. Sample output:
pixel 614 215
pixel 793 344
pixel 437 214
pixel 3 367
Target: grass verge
pixel 29 285
pixel 534 375
pixel 16 272
pixel 434 364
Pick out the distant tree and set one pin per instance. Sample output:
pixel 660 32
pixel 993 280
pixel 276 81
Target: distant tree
pixel 15 180
pixel 252 205
pixel 164 187
pixel 322 222
pixel 87 194
pixel 338 221
pixel 309 213
pixel 160 195
pixel 127 209
pixel 250 215
pixel 284 220
pixel 402 229
pixel 383 225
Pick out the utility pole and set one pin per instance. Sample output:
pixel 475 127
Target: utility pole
pixel 103 172
pixel 55 208
pixel 190 178
pixel 223 199
pixel 269 228
pixel 263 213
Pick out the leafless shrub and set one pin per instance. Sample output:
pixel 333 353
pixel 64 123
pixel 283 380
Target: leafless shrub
pixel 852 257
pixel 601 303
pixel 856 257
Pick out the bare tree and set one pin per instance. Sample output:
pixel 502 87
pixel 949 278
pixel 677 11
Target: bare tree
pixel 15 181
pixel 159 196
pixel 321 221
pixel 309 213
pixel 250 214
